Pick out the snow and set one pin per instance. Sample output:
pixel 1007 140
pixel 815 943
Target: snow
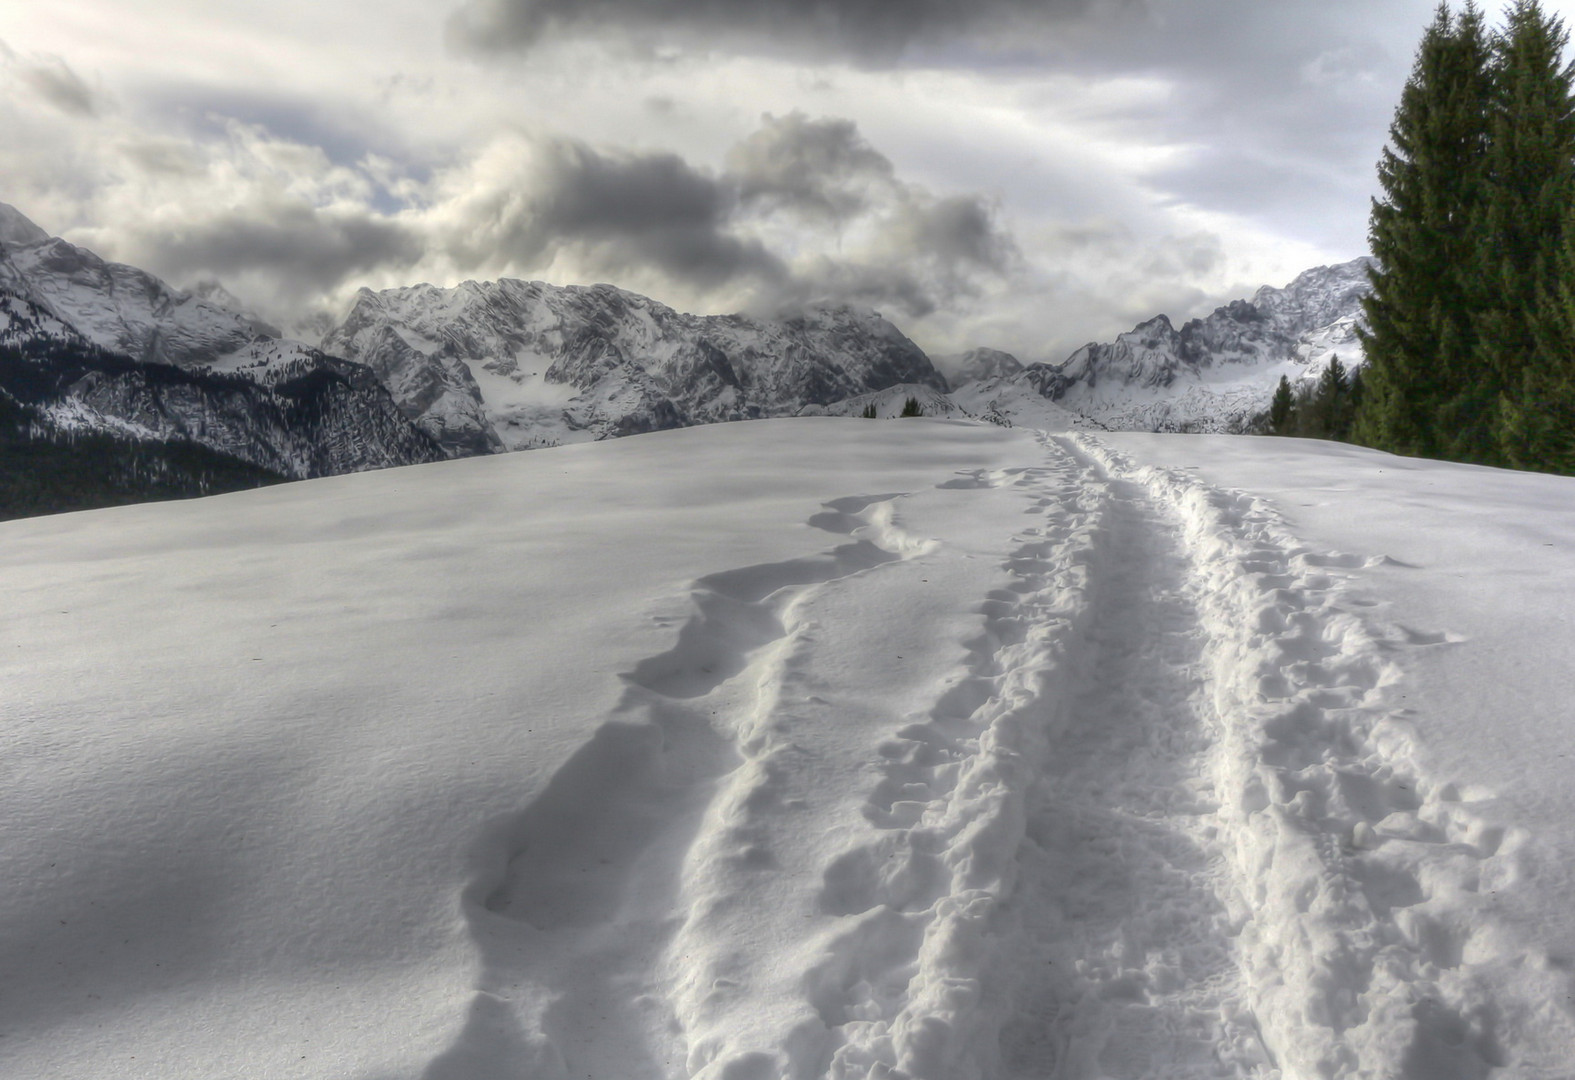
pixel 799 748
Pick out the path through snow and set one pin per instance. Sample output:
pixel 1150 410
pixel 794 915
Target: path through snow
pixel 1149 810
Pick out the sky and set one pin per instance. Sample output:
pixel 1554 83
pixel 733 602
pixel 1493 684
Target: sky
pixel 1026 175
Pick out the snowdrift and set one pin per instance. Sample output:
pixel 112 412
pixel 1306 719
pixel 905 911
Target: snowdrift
pixel 799 748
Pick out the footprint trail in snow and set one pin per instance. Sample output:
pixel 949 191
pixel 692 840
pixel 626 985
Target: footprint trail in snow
pixel 1142 810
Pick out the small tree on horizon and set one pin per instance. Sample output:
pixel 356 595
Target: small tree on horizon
pixel 911 407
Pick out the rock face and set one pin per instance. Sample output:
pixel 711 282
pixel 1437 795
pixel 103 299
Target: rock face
pixel 101 345
pixel 1214 373
pixel 509 365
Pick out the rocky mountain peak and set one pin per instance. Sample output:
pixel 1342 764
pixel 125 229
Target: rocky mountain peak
pixel 16 230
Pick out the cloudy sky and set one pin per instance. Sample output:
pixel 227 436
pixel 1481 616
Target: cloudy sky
pixel 1024 174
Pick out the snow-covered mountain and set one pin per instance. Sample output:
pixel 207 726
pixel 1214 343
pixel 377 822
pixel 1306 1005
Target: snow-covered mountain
pixel 1213 374
pixel 510 365
pixel 99 345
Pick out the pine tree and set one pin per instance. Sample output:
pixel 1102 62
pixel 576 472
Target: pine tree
pixel 1530 184
pixel 869 412
pixel 911 407
pixel 1280 408
pixel 1420 336
pixel 1333 400
pixel 1537 420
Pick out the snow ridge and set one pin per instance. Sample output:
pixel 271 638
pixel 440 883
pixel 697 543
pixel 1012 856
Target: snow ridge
pixel 1161 818
pixel 1122 939
pixel 592 878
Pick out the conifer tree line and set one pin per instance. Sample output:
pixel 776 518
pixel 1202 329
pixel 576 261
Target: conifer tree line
pixel 1323 409
pixel 1470 335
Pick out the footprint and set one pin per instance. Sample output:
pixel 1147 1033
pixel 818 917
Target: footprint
pixel 1337 561
pixel 574 847
pixel 1412 636
pixel 734 618
pixel 842 515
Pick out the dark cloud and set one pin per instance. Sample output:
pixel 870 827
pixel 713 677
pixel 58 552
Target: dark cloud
pixel 618 211
pixel 822 167
pixel 890 243
pixel 306 250
pixel 853 231
pixel 884 286
pixel 54 81
pixel 1283 106
pixel 169 157
pixel 871 29
pixel 920 258
pixel 960 230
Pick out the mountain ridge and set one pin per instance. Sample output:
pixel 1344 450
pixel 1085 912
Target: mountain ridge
pixel 103 346
pixel 508 364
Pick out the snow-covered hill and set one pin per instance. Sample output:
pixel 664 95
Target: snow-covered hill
pixel 809 748
pixel 515 364
pixel 176 365
pixel 1213 374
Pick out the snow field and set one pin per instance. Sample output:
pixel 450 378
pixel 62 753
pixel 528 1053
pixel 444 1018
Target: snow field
pixel 799 749
pixel 695 860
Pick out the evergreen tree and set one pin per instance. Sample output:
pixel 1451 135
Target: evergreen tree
pixel 869 411
pixel 911 407
pixel 1529 182
pixel 1332 396
pixel 1420 336
pixel 1281 407
pixel 1537 419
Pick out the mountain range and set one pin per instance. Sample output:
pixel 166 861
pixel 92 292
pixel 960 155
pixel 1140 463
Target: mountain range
pixel 420 373
pixel 511 365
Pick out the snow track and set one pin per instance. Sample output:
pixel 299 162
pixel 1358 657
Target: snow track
pixel 1126 943
pixel 1359 887
pixel 1149 810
